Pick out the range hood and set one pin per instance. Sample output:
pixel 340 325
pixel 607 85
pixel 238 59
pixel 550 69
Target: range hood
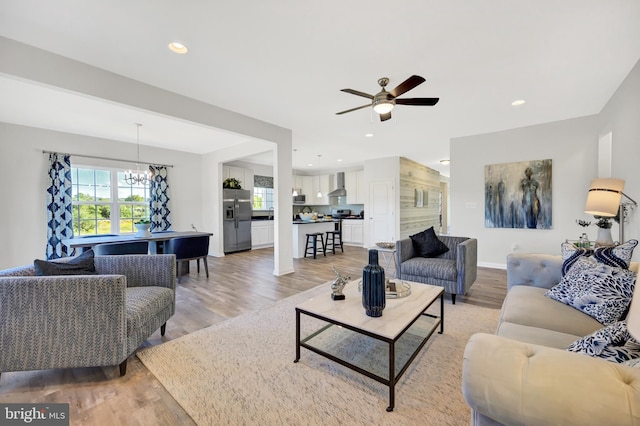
pixel 339 191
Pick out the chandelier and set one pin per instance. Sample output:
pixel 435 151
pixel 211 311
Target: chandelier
pixel 139 178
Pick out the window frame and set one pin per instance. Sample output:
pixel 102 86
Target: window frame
pixel 267 203
pixel 114 204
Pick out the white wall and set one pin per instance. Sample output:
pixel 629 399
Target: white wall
pixel 573 147
pixel 621 117
pixel 36 65
pixel 23 173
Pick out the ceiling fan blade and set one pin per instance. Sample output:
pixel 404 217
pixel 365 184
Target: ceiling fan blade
pixel 355 92
pixel 417 101
pixel 407 85
pixel 353 109
pixel 385 117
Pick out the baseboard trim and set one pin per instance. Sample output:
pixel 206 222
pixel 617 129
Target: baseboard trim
pixel 492 265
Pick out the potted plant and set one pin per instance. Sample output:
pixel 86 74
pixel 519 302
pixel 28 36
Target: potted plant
pixel 231 183
pixel 604 231
pixel 583 240
pixel 143 226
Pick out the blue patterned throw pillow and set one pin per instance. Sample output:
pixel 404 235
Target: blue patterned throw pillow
pixel 613 343
pixel 600 291
pixel 619 255
pixel 635 362
pixel 570 254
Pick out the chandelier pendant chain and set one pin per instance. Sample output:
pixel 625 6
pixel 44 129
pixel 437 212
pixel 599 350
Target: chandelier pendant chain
pixel 138 178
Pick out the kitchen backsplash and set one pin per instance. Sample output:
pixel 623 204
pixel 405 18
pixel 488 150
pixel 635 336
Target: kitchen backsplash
pixel 355 208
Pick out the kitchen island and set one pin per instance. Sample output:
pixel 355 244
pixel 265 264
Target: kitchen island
pixel 302 228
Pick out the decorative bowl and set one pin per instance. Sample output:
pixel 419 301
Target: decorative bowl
pixel 386 245
pixel 306 216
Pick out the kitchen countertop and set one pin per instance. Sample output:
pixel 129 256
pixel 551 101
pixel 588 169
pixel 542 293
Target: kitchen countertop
pixel 305 222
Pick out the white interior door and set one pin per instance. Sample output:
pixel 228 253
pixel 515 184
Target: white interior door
pixel 381 212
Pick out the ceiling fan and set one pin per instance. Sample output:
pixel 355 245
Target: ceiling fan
pixel 384 101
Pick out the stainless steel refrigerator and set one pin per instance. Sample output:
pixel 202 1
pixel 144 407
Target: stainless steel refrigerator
pixel 237 219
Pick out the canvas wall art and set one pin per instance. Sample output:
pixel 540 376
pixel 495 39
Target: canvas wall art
pixel 518 195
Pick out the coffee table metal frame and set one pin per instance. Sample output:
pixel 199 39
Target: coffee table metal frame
pixel 393 376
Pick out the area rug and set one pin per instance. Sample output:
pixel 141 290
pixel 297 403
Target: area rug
pixel 241 372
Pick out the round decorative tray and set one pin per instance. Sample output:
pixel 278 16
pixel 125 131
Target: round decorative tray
pixel 394 288
pixel 386 245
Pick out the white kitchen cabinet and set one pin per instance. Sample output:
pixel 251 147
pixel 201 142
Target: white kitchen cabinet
pixel 352 231
pixel 245 176
pixel 297 182
pixel 261 234
pixel 355 186
pixel 321 184
pixel 307 189
pixel 304 184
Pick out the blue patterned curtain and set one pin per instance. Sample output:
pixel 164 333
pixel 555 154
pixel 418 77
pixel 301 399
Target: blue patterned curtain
pixel 59 208
pixel 159 199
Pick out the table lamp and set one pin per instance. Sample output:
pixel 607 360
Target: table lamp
pixel 605 199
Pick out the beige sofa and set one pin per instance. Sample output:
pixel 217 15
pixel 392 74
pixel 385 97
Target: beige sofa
pixel 523 376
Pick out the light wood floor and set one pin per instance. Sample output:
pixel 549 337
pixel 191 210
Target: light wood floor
pixel 238 283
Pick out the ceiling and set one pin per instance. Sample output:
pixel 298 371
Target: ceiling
pixel 285 61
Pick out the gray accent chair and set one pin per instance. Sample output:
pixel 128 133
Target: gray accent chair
pixel 75 321
pixel 455 270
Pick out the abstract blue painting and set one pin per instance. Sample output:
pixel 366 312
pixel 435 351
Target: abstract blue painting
pixel 518 195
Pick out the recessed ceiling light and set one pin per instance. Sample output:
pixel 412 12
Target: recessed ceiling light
pixel 310 165
pixel 518 102
pixel 178 48
pixel 339 160
pixel 445 161
pixel 368 135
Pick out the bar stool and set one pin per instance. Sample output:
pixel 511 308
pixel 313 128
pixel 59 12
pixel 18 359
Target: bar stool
pixel 334 235
pixel 313 239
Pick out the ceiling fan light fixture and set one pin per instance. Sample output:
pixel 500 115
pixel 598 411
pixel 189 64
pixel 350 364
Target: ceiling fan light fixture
pixel 383 106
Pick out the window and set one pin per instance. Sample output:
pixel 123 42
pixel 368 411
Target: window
pixel 103 203
pixel 262 192
pixel 262 198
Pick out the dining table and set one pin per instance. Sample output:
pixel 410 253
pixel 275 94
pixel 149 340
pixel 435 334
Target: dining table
pixel 87 242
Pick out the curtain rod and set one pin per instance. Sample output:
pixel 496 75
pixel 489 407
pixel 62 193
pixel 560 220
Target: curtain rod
pixel 108 158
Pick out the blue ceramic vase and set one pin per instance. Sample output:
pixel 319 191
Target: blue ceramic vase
pixel 373 299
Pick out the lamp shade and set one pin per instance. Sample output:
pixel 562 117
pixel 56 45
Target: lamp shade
pixel 383 106
pixel 604 197
pixel 633 317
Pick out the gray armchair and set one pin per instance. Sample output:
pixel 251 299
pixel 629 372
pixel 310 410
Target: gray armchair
pixel 84 320
pixel 454 270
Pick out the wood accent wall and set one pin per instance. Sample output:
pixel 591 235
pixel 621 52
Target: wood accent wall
pixel 416 219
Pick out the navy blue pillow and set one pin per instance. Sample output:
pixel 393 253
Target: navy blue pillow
pixel 79 265
pixel 427 244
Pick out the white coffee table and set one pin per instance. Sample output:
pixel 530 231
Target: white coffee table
pixel 380 348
